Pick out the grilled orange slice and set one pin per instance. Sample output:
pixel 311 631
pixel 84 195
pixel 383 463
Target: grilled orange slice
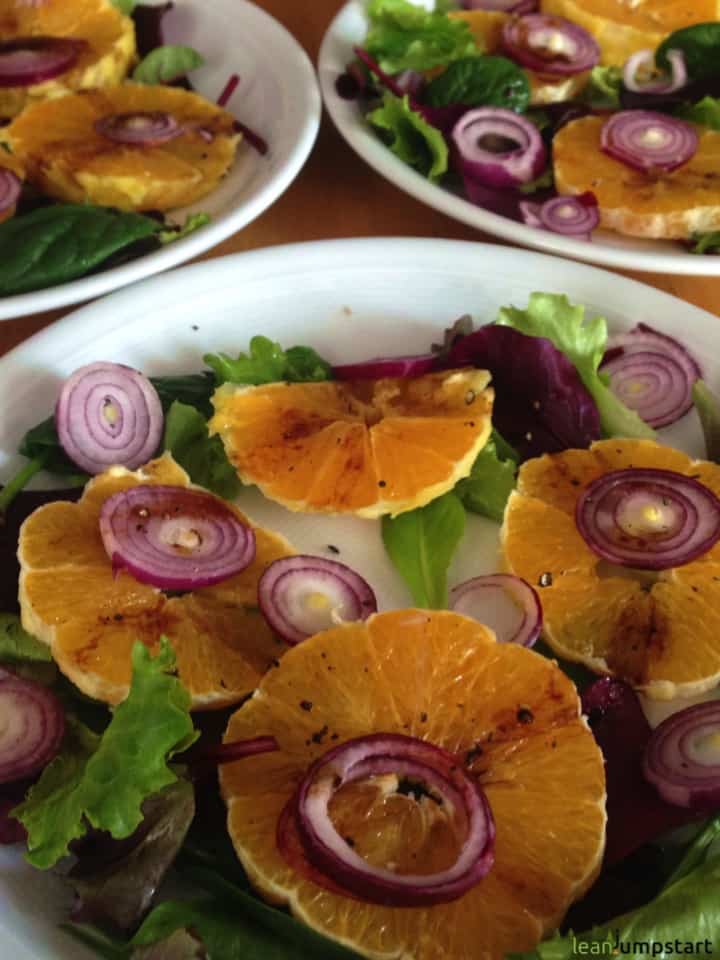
pixel 660 632
pixel 511 716
pixel 670 205
pixel 110 51
pixel 67 158
pixel 364 447
pixel 90 619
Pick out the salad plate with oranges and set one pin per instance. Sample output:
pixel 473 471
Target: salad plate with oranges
pixel 362 604
pixel 590 130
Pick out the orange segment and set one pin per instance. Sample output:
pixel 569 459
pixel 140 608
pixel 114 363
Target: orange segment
pixel 670 205
pixel 71 161
pixel 365 447
pixel 441 677
pixel 90 619
pixel 658 631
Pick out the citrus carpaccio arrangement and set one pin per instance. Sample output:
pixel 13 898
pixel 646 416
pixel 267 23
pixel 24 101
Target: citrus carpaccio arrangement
pixel 565 115
pixel 185 697
pixel 102 135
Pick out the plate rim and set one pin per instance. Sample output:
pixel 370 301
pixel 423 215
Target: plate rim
pixel 305 91
pixel 365 144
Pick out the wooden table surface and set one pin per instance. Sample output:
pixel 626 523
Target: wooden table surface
pixel 337 195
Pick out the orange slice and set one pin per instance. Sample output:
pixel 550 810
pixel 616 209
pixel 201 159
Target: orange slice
pixel 110 50
pixel 67 158
pixel 660 632
pixel 367 447
pixel 511 716
pixel 90 619
pixel 670 205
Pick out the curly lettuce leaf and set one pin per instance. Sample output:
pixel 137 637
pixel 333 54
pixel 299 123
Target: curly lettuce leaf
pixel 167 63
pixel 17 645
pixel 267 362
pixel 103 780
pixel 491 480
pixel 583 342
pixel 705 112
pixel 707 405
pixel 603 88
pixel 411 137
pixel 204 457
pixel 403 36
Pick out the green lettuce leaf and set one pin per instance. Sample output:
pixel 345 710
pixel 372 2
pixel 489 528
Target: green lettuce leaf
pixel 481 81
pixel 411 137
pixel 167 63
pixel 125 6
pixel 603 88
pixel 103 780
pixel 421 544
pixel 267 362
pixel 18 646
pixel 706 242
pixel 204 458
pixel 403 36
pixel 193 222
pixel 705 112
pixel 583 342
pixel 707 405
pixel 491 480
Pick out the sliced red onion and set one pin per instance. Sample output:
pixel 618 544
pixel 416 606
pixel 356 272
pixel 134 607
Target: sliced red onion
pixel 25 61
pixel 302 595
pixel 374 67
pixel 642 64
pixel 646 140
pixel 498 147
pixel 175 538
pixel 518 7
pixel 108 415
pixel 143 128
pixel 648 519
pixel 32 726
pixel 506 604
pixel 228 90
pixel 386 367
pixel 206 760
pixel 550 45
pixel 682 758
pixel 329 854
pixel 10 189
pixel 569 216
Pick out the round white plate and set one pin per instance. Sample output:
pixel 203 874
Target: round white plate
pixel 277 97
pixel 351 300
pixel 608 249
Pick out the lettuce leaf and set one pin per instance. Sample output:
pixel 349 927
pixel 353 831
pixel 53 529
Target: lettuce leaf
pixel 103 780
pixel 404 36
pixel 267 362
pixel 706 242
pixel 17 645
pixel 491 480
pixel 603 88
pixel 705 112
pixel 583 342
pixel 204 457
pixel 707 405
pixel 411 137
pixel 167 63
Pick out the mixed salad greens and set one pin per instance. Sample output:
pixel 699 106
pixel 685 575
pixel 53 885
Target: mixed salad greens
pixel 127 797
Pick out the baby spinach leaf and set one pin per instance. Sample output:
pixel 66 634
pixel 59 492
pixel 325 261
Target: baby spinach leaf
pixel 195 389
pixel 700 44
pixel 167 63
pixel 186 437
pixel 491 480
pixel 411 137
pixel 481 81
pixel 421 544
pixel 404 36
pixel 267 362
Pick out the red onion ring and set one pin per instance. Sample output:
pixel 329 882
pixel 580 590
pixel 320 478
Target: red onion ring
pixel 142 128
pixel 108 414
pixel 644 61
pixel 174 538
pixel 550 45
pixel 518 7
pixel 302 595
pixel 498 147
pixel 10 189
pixel 205 761
pixel 649 141
pixel 25 61
pixel 569 216
pixel 506 604
pixel 648 519
pixel 386 367
pixel 376 755
pixel 682 757
pixel 32 726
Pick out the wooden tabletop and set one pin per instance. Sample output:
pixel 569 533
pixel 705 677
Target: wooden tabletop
pixel 337 195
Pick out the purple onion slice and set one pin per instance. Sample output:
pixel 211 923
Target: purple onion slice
pixel 25 61
pixel 32 726
pixel 682 757
pixel 143 128
pixel 569 216
pixel 381 367
pixel 498 147
pixel 174 538
pixel 302 595
pixel 550 45
pixel 640 74
pixel 108 415
pixel 331 857
pixel 506 604
pixel 648 519
pixel 649 141
pixel 10 189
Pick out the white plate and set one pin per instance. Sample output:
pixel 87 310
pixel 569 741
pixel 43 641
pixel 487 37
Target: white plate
pixel 608 249
pixel 350 299
pixel 278 97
